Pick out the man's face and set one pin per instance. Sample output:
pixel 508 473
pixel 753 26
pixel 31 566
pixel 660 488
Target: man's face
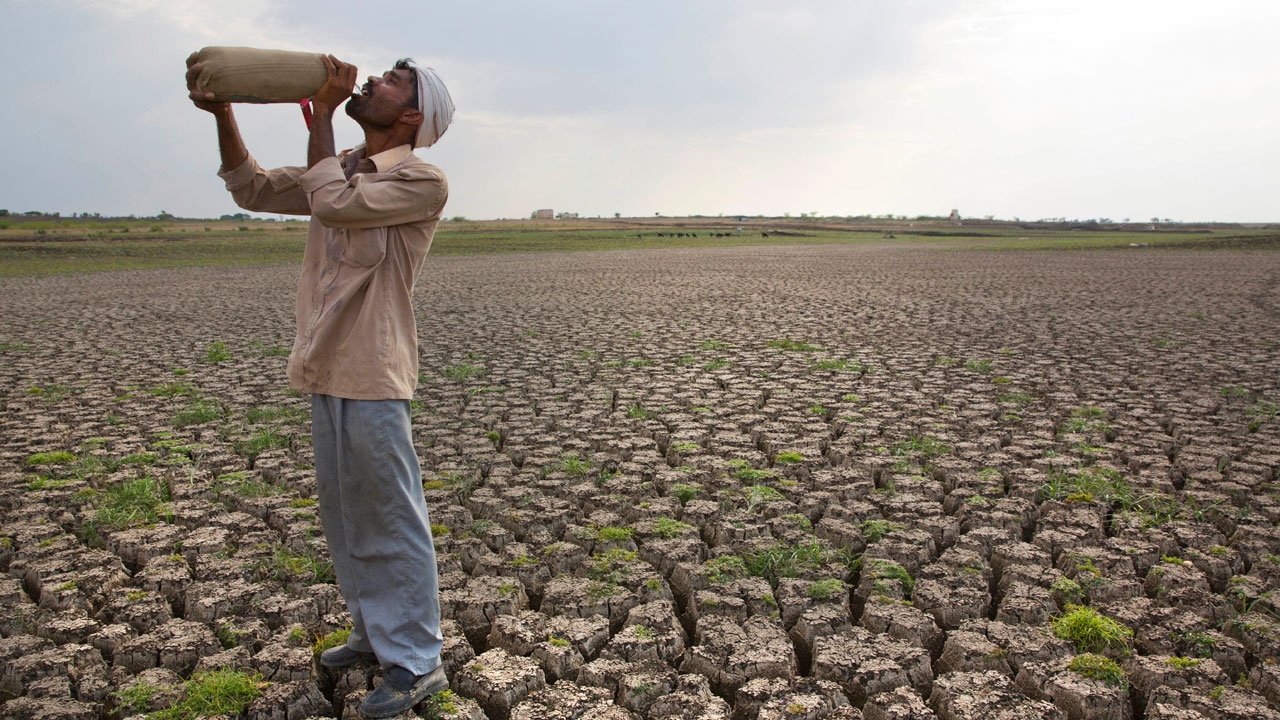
pixel 382 99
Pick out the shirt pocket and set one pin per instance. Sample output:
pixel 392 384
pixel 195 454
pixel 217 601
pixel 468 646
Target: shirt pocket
pixel 364 248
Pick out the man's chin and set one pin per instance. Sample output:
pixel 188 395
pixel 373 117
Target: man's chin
pixel 354 105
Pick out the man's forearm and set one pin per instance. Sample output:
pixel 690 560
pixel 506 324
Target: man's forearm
pixel 320 144
pixel 230 144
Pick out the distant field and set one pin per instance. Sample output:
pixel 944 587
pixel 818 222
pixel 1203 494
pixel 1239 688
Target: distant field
pixel 63 246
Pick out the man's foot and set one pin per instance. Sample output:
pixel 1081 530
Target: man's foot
pixel 343 656
pixel 400 691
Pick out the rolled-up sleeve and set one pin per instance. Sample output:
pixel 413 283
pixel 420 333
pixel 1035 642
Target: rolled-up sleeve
pixel 275 191
pixel 367 201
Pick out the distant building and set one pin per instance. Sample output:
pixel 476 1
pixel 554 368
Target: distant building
pixel 547 214
pixel 568 216
pixel 955 216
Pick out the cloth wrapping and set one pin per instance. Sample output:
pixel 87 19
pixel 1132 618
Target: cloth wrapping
pixel 436 106
pixel 241 74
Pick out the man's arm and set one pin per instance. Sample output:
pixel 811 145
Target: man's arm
pixel 230 143
pixel 253 189
pixel 335 91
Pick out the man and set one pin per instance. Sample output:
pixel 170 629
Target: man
pixel 373 213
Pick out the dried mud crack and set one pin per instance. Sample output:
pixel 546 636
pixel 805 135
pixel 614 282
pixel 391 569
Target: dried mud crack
pixel 804 482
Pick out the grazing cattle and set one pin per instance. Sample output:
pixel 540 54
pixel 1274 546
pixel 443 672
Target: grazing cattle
pixel 764 234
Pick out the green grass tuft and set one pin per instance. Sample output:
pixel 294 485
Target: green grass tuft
pixel 219 692
pixel 1091 631
pixel 1097 667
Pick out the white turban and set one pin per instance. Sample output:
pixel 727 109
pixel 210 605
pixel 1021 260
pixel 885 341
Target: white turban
pixel 436 107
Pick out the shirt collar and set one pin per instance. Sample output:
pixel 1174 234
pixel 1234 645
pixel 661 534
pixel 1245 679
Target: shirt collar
pixel 384 160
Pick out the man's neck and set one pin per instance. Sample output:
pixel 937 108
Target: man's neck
pixel 376 141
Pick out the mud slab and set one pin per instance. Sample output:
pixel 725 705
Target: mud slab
pixel 816 482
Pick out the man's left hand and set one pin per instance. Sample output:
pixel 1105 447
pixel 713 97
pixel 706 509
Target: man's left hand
pixel 337 89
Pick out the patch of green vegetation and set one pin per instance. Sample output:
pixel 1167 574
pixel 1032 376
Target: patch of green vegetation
pixel 613 534
pixel 612 566
pixel 218 692
pixel 800 521
pixel 850 398
pixel 1091 631
pixel 285 565
pixel 441 704
pixel 921 445
pixel 788 457
pixel 275 413
pixel 243 483
pixel 1182 663
pixel 464 371
pixel 573 465
pixel 50 393
pixel 216 352
pixel 637 411
pixel 227 635
pixel 133 503
pixel 792 345
pixel 557 641
pixel 760 494
pixel 1097 667
pixel 881 569
pixel 779 561
pixel 174 389
pixel 1088 483
pixel 826 589
pixel 667 528
pixel 36 483
pixel 978 365
pixel 136 699
pixel 945 361
pixel 334 639
pixel 725 568
pixel 259 442
pixel 302 502
pixel 54 457
pixel 875 530
pixel 684 492
pixel 197 412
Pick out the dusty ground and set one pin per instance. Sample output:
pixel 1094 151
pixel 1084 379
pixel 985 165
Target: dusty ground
pixel 803 482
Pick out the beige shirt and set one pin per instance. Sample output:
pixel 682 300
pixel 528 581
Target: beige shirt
pixel 368 237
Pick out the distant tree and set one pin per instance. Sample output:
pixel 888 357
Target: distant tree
pixel 4 213
pixel 617 215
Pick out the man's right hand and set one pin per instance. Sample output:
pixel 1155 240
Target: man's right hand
pixel 202 100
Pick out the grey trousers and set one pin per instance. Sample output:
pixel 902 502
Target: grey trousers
pixel 375 521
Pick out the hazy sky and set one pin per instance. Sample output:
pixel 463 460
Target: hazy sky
pixel 1031 109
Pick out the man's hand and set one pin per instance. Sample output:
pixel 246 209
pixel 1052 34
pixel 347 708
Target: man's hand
pixel 202 100
pixel 337 89
pixel 230 144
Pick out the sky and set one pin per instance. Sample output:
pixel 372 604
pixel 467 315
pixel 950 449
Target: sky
pixel 1011 108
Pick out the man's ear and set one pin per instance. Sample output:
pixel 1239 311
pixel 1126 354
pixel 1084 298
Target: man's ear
pixel 411 117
